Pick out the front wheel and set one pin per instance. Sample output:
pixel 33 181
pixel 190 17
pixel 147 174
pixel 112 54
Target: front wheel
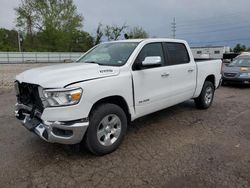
pixel 223 83
pixel 108 125
pixel 206 97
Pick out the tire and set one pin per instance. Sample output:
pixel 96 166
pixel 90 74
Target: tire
pixel 206 97
pixel 223 83
pixel 108 126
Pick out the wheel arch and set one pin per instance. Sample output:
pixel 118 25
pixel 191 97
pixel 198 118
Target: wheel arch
pixel 115 99
pixel 211 78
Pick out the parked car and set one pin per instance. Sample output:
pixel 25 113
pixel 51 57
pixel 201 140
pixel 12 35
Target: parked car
pixel 92 100
pixel 238 71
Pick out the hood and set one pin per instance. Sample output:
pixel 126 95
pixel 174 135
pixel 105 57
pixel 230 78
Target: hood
pixel 60 75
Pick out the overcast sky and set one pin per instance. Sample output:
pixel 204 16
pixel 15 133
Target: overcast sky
pixel 210 22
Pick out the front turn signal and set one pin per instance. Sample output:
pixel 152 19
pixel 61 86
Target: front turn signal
pixel 243 68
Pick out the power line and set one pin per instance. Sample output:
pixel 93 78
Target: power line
pixel 216 24
pixel 213 31
pixel 208 25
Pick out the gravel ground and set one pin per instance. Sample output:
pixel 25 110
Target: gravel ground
pixel 177 147
pixel 8 72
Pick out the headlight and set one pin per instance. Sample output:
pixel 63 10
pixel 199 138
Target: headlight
pixel 16 85
pixel 62 97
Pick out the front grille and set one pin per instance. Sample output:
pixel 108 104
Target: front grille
pixel 230 75
pixel 28 94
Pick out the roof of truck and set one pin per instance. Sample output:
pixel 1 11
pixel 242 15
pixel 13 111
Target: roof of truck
pixel 150 40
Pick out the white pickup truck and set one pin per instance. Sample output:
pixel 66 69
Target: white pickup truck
pixel 92 100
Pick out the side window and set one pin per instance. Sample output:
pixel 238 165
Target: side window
pixel 177 53
pixel 152 49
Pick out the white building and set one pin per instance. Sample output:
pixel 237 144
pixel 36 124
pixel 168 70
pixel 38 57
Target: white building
pixel 210 52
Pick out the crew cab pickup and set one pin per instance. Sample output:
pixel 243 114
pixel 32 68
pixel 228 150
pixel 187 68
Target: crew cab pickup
pixel 92 100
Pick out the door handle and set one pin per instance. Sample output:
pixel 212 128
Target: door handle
pixel 164 75
pixel 190 70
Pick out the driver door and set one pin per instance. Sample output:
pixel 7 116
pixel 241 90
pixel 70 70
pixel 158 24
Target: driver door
pixel 150 83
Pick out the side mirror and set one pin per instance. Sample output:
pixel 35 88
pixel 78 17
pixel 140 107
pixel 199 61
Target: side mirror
pixel 152 61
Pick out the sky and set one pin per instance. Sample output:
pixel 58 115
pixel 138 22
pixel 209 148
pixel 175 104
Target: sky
pixel 200 22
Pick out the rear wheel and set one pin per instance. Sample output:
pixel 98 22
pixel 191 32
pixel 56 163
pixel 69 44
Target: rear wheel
pixel 108 125
pixel 206 97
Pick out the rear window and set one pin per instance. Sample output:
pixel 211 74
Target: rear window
pixel 177 53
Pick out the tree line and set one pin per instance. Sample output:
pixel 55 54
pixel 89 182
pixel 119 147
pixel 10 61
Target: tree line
pixel 240 48
pixel 55 25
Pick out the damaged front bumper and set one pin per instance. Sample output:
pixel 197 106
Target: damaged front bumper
pixel 63 132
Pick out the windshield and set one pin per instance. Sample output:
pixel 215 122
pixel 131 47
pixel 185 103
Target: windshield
pixel 240 62
pixel 112 54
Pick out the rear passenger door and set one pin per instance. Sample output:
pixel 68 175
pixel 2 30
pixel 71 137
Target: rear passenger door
pixel 182 72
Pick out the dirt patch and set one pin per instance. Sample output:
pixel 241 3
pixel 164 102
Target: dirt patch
pixel 8 72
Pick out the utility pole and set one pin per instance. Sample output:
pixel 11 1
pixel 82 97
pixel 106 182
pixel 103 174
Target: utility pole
pixel 173 25
pixel 19 41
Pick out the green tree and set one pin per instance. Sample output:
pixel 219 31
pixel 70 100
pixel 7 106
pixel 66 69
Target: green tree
pixel 8 40
pixel 26 16
pixel 56 23
pixel 81 41
pixel 43 14
pixel 136 33
pixel 27 19
pixel 239 48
